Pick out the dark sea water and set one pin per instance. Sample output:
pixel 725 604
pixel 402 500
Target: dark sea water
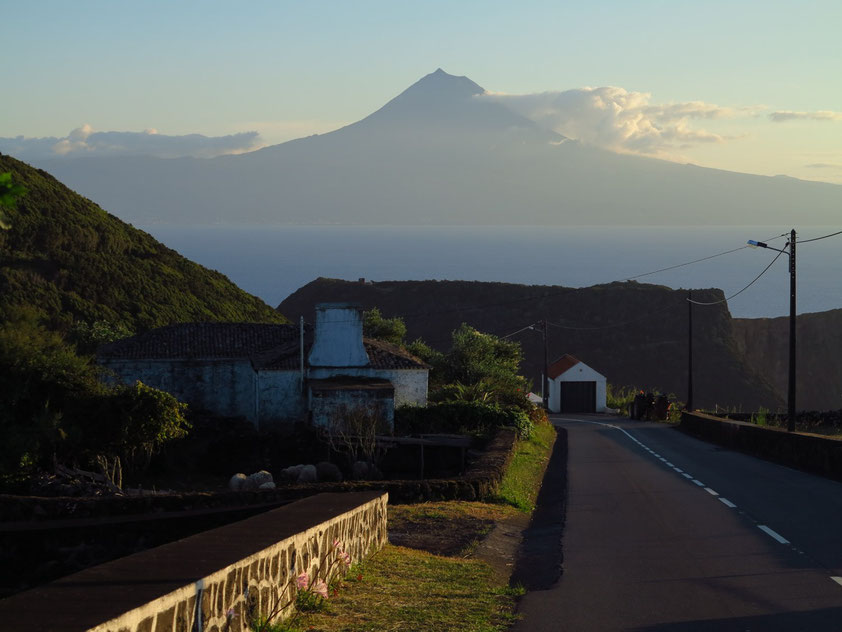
pixel 272 262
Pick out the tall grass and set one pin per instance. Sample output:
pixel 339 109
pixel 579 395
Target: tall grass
pixel 619 398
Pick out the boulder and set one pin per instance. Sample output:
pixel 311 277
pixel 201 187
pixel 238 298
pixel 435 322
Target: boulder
pixel 365 471
pixel 237 481
pixel 254 481
pixel 291 473
pixel 308 474
pixel 328 472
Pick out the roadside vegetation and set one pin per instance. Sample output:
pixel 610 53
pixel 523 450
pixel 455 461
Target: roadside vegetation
pixel 432 582
pixel 519 488
pixel 652 405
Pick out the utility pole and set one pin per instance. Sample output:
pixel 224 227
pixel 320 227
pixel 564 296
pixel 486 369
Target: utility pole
pixel 545 387
pixel 689 404
pixel 791 394
pixel 790 424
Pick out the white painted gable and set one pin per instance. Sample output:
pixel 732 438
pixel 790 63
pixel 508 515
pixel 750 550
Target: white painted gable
pixel 580 372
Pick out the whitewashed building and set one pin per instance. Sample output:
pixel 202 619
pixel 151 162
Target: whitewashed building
pixel 575 387
pixel 273 374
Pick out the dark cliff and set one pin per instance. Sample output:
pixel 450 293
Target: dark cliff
pixel 635 334
pixel 764 342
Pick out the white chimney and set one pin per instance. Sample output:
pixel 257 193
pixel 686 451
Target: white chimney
pixel 338 337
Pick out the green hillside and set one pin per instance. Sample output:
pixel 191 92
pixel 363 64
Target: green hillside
pixel 75 263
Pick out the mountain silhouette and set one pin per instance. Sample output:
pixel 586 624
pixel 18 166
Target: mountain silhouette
pixel 439 154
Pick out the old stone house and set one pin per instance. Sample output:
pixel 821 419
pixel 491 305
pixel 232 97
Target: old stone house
pixel 274 374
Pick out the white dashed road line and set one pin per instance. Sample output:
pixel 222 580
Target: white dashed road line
pixel 773 534
pixel 770 532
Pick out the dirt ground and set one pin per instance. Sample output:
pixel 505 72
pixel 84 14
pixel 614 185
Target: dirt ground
pixel 454 528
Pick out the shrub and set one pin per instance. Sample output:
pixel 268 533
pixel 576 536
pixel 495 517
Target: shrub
pixel 522 422
pixel 391 330
pixel 475 418
pixel 620 398
pixel 143 419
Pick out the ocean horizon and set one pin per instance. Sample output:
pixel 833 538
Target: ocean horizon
pixel 273 261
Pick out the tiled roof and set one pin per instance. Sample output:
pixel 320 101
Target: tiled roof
pixel 201 340
pixel 266 346
pixel 383 355
pixel 563 364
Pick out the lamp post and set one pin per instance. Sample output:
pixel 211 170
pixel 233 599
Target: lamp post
pixel 790 426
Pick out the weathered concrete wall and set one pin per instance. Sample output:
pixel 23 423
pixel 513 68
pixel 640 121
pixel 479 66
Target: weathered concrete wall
pixel 812 453
pixel 214 581
pixel 280 397
pixel 410 384
pixel 329 407
pixel 226 387
pixel 338 337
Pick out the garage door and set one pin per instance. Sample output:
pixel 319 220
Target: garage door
pixel 578 397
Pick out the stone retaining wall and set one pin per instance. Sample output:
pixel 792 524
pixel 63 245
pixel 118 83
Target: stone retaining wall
pixel 808 452
pixel 480 480
pixel 214 581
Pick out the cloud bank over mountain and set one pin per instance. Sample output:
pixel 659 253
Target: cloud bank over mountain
pixel 85 141
pixel 614 118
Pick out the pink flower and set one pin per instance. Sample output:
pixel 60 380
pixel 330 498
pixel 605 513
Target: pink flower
pixel 346 558
pixel 337 544
pixel 320 588
pixel 230 614
pixel 302 581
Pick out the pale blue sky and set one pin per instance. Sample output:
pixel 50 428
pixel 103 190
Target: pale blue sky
pixel 288 69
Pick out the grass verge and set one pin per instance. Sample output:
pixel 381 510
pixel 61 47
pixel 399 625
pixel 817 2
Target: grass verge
pixel 406 590
pixel 522 480
pixel 431 586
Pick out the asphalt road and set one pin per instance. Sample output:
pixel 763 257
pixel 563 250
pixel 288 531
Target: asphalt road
pixel 665 532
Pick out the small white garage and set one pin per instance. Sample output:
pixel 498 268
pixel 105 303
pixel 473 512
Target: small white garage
pixel 575 387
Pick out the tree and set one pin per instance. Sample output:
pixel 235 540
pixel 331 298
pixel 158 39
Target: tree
pixel 476 357
pixel 478 367
pixel 9 194
pixel 56 410
pixel 139 420
pixel 391 330
pixel 40 377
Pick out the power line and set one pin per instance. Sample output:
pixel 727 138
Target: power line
pixel 728 298
pixel 563 292
pixel 805 241
pixel 681 265
pixel 569 291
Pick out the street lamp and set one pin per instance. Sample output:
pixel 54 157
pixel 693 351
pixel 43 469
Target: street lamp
pixel 790 426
